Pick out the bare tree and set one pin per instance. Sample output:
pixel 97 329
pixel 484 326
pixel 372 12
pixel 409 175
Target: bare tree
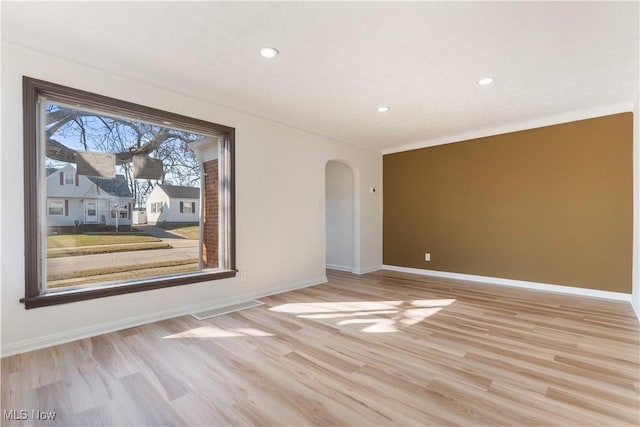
pixel 69 130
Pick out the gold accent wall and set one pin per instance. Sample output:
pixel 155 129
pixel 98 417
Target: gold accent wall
pixel 551 205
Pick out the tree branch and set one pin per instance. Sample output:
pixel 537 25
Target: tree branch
pixel 58 151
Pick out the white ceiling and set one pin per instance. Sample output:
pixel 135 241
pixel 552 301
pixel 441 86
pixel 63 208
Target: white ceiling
pixel 339 61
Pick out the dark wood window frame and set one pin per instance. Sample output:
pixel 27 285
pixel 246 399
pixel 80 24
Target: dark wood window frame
pixel 35 296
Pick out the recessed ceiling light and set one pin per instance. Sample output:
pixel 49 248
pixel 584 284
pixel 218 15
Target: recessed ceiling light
pixel 486 81
pixel 269 52
pixel 383 109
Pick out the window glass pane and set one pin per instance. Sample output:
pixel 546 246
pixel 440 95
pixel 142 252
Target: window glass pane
pixel 119 220
pixel 56 207
pixel 186 206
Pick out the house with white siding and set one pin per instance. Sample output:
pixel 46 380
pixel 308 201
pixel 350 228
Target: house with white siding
pixel 92 201
pixel 173 203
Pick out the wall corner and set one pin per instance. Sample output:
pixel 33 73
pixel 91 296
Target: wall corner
pixel 635 275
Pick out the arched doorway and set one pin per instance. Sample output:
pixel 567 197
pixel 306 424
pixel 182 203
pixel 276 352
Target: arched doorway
pixel 339 216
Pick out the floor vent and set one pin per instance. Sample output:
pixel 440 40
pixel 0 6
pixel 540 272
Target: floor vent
pixel 224 310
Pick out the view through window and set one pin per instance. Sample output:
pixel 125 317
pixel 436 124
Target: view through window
pixel 124 200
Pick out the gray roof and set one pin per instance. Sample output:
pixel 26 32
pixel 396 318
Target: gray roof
pixel 180 192
pixel 117 186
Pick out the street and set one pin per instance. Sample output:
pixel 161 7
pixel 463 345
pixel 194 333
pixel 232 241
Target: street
pixel 182 249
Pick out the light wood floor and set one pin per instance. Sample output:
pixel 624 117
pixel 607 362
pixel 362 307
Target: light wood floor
pixel 380 349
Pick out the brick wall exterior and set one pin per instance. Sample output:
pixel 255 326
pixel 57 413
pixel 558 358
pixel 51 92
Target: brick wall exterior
pixel 210 215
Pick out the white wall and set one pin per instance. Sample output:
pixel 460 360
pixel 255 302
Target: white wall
pixel 174 214
pixel 157 195
pixel 74 212
pixel 85 188
pixel 170 208
pixel 339 216
pixel 635 279
pixel 280 221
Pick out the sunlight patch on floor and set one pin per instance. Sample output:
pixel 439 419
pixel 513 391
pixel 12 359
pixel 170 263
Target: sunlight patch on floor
pixel 354 314
pixel 413 316
pixel 377 325
pixel 215 332
pixel 398 313
pixel 335 307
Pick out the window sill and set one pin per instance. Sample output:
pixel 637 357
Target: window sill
pixel 82 294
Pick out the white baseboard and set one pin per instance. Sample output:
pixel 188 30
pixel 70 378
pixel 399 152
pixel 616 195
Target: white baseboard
pixel 92 331
pixel 353 270
pixel 339 267
pixel 517 283
pixel 366 270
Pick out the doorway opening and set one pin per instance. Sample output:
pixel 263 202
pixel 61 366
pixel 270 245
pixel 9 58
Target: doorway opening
pixel 339 216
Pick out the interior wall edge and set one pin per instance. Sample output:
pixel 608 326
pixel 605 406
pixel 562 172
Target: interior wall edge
pixel 366 270
pixel 620 296
pixel 636 309
pixel 95 330
pixel 635 275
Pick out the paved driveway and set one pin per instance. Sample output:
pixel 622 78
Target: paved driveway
pixel 175 240
pixel 158 232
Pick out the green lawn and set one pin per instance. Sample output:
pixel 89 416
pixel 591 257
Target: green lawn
pixel 122 272
pixel 79 240
pixel 104 249
pixel 191 232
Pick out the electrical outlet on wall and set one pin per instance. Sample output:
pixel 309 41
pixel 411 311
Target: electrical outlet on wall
pixel 427 257
pixel 243 276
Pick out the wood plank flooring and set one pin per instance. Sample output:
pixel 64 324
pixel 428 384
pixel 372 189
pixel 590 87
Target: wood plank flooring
pixel 385 348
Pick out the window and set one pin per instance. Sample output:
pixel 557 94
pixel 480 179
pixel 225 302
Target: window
pixel 187 207
pixel 91 209
pixel 125 151
pixel 55 207
pixel 156 207
pixel 123 209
